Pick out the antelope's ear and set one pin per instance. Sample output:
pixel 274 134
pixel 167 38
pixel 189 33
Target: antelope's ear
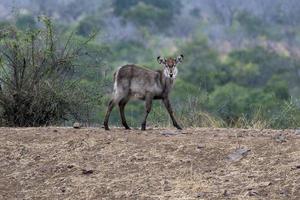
pixel 161 60
pixel 179 59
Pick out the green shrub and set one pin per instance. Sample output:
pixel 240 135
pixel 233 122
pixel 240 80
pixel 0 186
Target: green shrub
pixel 35 75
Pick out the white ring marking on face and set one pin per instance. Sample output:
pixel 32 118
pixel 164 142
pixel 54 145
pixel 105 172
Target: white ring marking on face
pixel 167 72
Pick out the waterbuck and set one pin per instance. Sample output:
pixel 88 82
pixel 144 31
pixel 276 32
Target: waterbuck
pixel 131 81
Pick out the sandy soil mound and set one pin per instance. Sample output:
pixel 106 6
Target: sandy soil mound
pixel 202 163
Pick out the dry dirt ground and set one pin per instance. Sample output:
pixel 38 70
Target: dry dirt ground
pixel 90 163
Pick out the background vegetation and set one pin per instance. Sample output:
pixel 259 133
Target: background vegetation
pixel 241 66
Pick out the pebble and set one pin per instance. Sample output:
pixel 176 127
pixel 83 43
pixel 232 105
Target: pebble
pixel 87 171
pixel 238 154
pixel 201 195
pixel 280 138
pixel 168 133
pixel 200 146
pixel 76 125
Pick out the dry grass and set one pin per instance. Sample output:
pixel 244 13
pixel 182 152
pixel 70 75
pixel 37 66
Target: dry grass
pixel 66 163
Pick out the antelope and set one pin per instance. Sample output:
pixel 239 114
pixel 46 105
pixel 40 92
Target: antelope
pixel 132 81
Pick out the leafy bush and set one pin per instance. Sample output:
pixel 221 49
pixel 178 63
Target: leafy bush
pixel 247 107
pixel 201 65
pixel 228 101
pixel 36 84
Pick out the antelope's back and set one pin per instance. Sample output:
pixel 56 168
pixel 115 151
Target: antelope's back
pixel 138 80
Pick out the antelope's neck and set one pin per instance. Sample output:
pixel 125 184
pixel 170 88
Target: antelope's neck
pixel 166 82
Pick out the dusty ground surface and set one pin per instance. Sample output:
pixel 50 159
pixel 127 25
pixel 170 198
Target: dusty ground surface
pixel 89 163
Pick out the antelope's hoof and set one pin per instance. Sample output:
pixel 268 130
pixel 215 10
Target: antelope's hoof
pixel 143 126
pixel 178 127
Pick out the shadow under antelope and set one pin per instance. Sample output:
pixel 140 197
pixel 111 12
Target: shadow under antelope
pixel 131 81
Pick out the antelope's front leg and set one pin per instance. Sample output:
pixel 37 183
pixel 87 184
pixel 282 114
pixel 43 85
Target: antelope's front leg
pixel 148 105
pixel 170 111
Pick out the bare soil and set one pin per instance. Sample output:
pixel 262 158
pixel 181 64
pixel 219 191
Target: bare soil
pixel 90 163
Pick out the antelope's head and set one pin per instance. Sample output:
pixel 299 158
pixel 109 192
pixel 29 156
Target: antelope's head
pixel 169 64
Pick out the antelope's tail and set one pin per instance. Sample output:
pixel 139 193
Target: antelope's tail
pixel 115 79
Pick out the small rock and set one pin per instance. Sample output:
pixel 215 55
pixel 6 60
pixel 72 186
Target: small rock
pixel 296 167
pixel 186 133
pixel 37 158
pixel 225 193
pixel 252 193
pixel 238 154
pixel 181 148
pixel 55 130
pixel 297 132
pixel 284 192
pixel 265 184
pixel 201 195
pixel 200 146
pixel 280 138
pixel 167 188
pixel 76 125
pixel 87 172
pixel 70 166
pixel 63 190
pixel 109 137
pixel 137 158
pixel 168 133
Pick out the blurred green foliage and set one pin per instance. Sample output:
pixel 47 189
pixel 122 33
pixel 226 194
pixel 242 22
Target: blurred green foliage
pixel 148 12
pixel 252 25
pixel 25 22
pixel 88 25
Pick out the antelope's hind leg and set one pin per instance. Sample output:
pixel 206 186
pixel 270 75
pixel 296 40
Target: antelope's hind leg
pixel 122 105
pixel 109 109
